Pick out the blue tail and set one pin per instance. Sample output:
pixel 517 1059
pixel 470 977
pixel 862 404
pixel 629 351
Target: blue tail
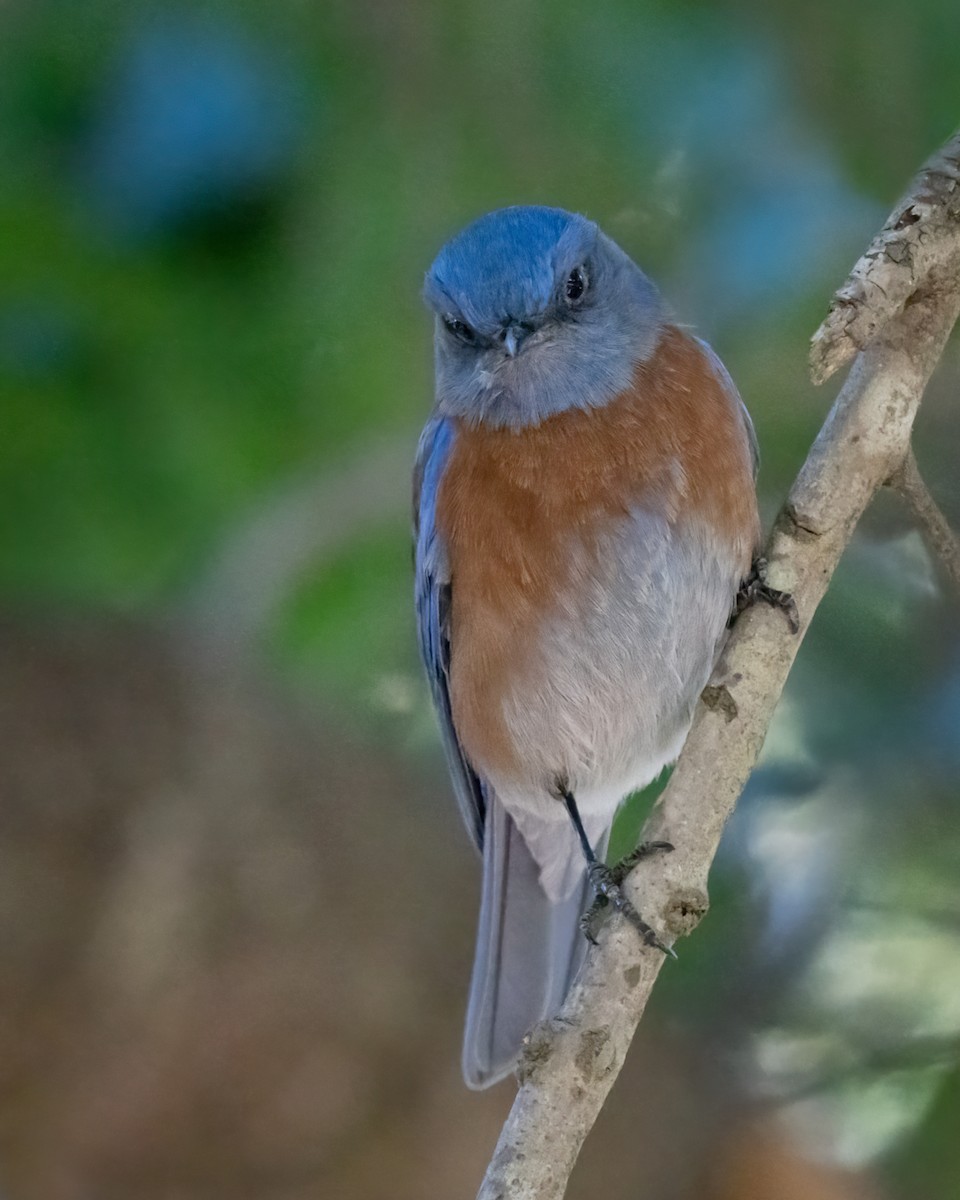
pixel 528 951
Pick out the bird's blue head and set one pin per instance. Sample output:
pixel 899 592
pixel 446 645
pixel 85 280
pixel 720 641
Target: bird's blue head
pixel 537 312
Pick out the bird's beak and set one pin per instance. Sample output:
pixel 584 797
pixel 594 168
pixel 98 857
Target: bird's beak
pixel 513 335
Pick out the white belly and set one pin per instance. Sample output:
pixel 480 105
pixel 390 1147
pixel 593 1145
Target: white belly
pixel 617 671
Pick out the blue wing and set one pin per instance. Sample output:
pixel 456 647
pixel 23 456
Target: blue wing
pixel 724 376
pixel 433 592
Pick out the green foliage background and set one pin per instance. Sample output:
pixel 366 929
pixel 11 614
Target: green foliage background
pixel 166 378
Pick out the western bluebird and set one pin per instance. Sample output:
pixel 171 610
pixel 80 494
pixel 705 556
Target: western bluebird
pixel 585 515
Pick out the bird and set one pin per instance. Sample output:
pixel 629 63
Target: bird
pixel 585 518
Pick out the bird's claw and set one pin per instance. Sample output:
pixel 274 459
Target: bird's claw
pixel 620 870
pixel 606 883
pixel 755 587
pixel 591 920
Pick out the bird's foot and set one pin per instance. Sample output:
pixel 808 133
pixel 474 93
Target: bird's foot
pixel 755 587
pixel 607 884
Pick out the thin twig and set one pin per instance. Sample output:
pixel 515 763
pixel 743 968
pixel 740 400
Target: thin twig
pixel 940 538
pixel 571 1062
pixel 302 524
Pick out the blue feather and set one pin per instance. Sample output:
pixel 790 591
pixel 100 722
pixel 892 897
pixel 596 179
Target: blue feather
pixel 432 594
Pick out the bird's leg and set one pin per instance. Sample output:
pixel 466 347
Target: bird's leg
pixel 755 587
pixel 606 881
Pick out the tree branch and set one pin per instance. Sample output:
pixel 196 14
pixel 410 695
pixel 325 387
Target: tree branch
pixel 940 538
pixel 571 1062
pixel 914 241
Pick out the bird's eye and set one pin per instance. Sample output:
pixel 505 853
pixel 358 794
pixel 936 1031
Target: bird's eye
pixel 576 285
pixel 459 329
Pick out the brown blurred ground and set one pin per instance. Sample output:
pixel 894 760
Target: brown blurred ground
pixel 233 952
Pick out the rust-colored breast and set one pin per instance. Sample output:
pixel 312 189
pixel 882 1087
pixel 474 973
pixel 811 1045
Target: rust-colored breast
pixel 513 503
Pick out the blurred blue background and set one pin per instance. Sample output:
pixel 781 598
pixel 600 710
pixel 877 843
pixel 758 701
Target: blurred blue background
pixel 236 907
